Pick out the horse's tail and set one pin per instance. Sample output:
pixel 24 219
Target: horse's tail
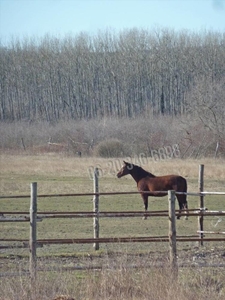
pixel 184 189
pixel 181 186
pixel 185 185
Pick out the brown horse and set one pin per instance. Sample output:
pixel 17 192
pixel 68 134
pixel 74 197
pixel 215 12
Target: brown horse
pixel 149 182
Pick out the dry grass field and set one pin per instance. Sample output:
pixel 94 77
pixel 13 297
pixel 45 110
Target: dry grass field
pixel 56 174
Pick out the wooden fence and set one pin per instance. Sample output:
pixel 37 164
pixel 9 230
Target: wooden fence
pixel 171 213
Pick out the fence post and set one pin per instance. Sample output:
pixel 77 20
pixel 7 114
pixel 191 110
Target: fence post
pixel 172 232
pixel 33 230
pixel 96 209
pixel 217 148
pixel 201 203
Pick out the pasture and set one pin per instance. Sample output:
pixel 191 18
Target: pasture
pixel 59 174
pixel 56 174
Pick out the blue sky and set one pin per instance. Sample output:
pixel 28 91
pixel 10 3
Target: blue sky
pixel 35 18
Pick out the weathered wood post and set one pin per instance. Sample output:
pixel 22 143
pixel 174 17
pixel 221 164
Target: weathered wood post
pixel 172 233
pixel 201 203
pixel 96 209
pixel 217 148
pixel 33 230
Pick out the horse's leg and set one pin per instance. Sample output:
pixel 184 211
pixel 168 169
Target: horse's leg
pixel 145 200
pixel 185 207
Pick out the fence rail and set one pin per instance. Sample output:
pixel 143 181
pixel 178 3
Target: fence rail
pixel 115 240
pixel 107 214
pixel 110 193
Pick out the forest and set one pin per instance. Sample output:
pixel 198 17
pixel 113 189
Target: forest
pixel 131 74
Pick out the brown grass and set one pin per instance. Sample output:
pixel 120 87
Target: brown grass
pixel 51 163
pixel 120 283
pixel 17 171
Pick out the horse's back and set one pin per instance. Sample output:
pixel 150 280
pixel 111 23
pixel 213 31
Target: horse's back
pixel 175 182
pixel 163 183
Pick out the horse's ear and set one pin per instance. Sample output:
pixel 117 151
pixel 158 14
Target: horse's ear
pixel 125 162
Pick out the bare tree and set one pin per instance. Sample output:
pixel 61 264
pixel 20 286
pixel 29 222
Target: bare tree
pixel 127 74
pixel 206 102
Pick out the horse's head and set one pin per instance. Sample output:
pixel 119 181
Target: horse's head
pixel 125 170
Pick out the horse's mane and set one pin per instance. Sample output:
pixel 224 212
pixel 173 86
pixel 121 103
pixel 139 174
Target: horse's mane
pixel 142 172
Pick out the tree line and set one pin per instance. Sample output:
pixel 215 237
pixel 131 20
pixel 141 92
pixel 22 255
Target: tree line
pixel 118 74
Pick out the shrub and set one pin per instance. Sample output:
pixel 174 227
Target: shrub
pixel 110 148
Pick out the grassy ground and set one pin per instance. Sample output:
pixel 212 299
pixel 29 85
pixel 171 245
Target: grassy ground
pixel 58 174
